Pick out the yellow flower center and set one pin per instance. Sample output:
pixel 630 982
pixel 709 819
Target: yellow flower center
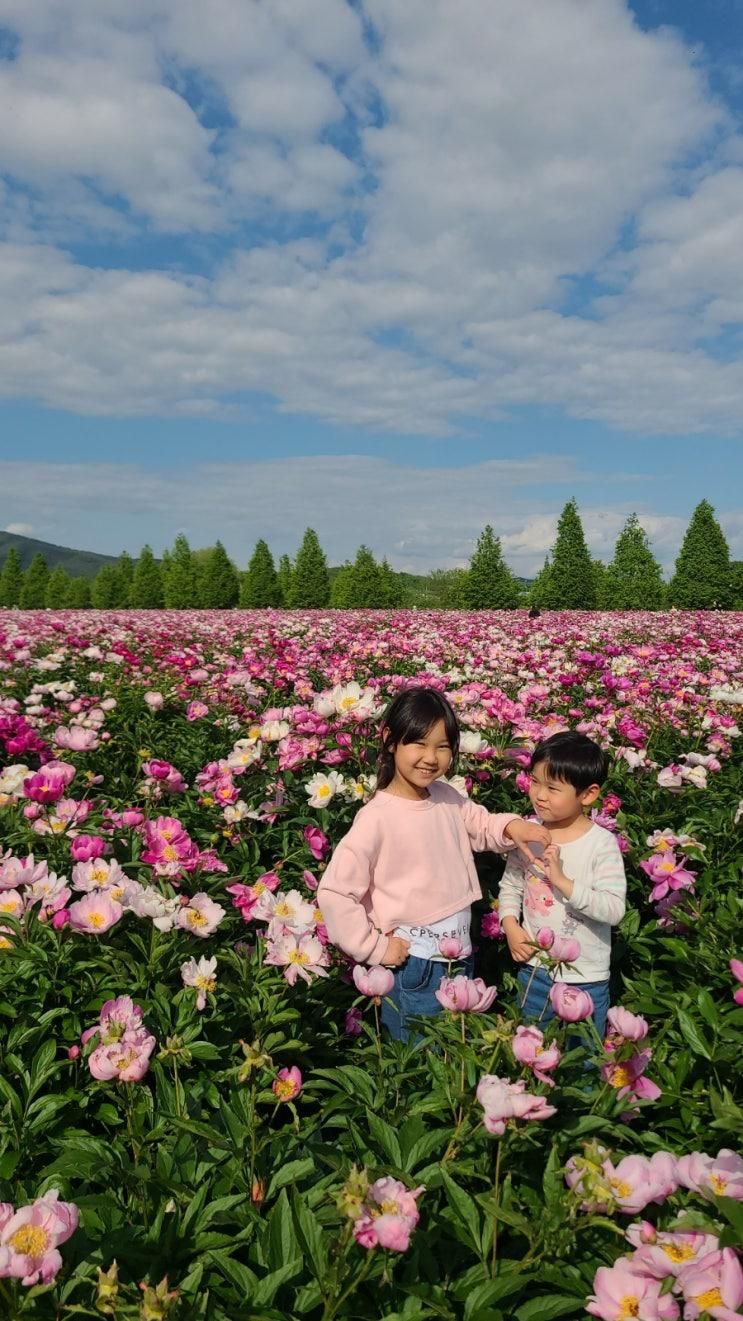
pixel 620 1076
pixel 710 1298
pixel 719 1184
pixel 324 791
pixel 57 826
pixel 679 1251
pixel 99 875
pixel 629 1307
pixel 282 909
pixel 284 1089
pixel 30 1241
pixel 205 983
pixel 8 905
pixel 96 920
pixel 622 1190
pixel 170 853
pixel 388 1208
pixel 5 943
pixel 195 918
pixel 299 956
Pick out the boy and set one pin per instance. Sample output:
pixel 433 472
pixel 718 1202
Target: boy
pixel 582 890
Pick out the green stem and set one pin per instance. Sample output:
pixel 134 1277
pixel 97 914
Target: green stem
pixel 496 1192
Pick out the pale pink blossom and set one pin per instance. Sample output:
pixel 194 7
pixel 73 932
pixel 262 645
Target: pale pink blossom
pixel 716 1176
pixel 736 968
pixel 95 914
pixel 125 1061
pixel 201 916
pixel 713 1285
pixel 462 995
pixel 660 1254
pixel 76 739
pixel 570 1003
pixel 621 1293
pixel 529 1049
pixel 502 1101
pixel 373 981
pixel 30 1238
pixel 201 974
pixel 624 1026
pixel 388 1216
pixel 300 956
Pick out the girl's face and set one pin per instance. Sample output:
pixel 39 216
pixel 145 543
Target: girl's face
pixel 418 764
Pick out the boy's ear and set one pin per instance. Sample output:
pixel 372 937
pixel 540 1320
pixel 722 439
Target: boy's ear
pixel 590 794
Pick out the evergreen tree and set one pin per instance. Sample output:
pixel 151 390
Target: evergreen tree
pixel 448 589
pixel 393 591
pixel 106 589
pixel 146 592
pixel 78 596
pixel 310 584
pixel 490 583
pixel 220 583
pixel 11 579
pixel 365 589
pixel 57 589
pixel 541 592
pixel 633 579
pixel 340 588
pixel 260 585
pixel 599 583
pixel 572 578
pixel 35 579
pixel 284 575
pixel 180 588
pixel 125 566
pixel 736 581
pixel 702 576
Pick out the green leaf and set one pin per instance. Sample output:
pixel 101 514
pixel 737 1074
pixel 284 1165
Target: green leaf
pixel 292 1172
pixel 267 1288
pixel 310 1237
pixel 464 1209
pixel 386 1138
pixel 691 1034
pixel 549 1306
pixel 281 1243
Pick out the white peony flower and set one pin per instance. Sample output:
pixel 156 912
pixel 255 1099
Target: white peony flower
pixel 321 788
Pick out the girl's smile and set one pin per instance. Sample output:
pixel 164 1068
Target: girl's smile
pixel 418 764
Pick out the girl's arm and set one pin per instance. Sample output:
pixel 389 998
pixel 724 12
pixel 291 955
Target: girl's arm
pixel 340 893
pixel 501 831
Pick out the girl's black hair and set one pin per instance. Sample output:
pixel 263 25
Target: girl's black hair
pixel 572 757
pixel 408 718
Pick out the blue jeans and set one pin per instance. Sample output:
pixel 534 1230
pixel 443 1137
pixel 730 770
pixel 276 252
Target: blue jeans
pixel 537 1007
pixel 414 992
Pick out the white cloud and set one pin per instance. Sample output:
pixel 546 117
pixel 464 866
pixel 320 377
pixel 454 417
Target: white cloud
pixel 434 200
pixel 19 529
pixel 420 518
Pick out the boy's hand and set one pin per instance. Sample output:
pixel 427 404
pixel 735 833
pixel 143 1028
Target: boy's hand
pixel 555 874
pixel 396 952
pixel 521 947
pixel 524 832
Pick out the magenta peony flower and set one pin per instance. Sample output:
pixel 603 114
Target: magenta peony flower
pixel 462 995
pixel 375 981
pixel 736 968
pixel 84 848
pixel 196 710
pixel 491 928
pixel 317 842
pixel 570 1003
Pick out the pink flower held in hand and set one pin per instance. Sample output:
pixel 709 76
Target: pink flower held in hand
pixel 465 995
pixel 565 949
pixel 545 937
pixel 570 1003
pixel 620 1294
pixel 29 1238
pixel 375 981
pixel 388 1216
pixel 288 1084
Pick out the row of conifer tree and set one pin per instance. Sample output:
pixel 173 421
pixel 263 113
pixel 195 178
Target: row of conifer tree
pixel 704 577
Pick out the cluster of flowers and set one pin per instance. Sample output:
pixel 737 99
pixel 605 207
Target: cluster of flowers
pixel 625 1068
pixel 503 1101
pixel 124 1045
pixel 30 1237
pixel 384 1213
pixel 673 881
pixel 636 1181
pixel 296 939
pixel 707 1277
pixel 693 769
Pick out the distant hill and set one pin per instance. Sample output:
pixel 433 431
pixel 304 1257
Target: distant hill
pixel 78 563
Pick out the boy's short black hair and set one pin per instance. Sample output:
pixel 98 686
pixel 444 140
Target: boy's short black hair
pixel 572 757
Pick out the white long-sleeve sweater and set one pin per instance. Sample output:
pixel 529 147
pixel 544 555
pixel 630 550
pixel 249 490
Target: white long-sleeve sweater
pixel 594 864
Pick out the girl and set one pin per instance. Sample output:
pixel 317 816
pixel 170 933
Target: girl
pixel 402 881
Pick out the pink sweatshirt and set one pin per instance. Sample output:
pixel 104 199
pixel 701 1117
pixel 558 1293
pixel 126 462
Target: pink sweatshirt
pixel 405 862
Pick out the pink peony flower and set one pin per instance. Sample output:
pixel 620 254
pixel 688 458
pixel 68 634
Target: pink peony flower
pixel 528 1048
pixel 300 956
pixel 570 1003
pixel 621 1293
pixel 375 981
pixel 201 974
pixel 196 710
pixel 76 738
pixel 713 1285
pixel 288 1084
pixel 352 1021
pixel 388 1216
pixel 317 842
pixel 86 847
pixel 95 914
pixel 736 968
pixel 662 1254
pixel 502 1101
pixel 462 995
pixel 717 1176
pixel 450 947
pixel 491 928
pixel 29 1238
pixel 624 1026
pixel 126 1061
pixel 154 700
pixel 201 916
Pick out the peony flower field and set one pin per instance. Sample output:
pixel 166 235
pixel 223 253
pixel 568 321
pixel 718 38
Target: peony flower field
pixel 199 1117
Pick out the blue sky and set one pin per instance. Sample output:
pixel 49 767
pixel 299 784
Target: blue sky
pixel 391 270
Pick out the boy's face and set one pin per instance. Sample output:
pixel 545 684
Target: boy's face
pixel 556 800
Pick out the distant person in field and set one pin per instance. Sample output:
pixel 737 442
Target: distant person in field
pixel 578 888
pixel 534 612
pixel 400 885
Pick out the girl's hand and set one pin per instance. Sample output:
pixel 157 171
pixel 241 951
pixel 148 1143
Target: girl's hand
pixel 396 952
pixel 519 944
pixel 522 832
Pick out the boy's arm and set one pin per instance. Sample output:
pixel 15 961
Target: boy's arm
pixel 510 898
pixel 344 884
pixel 602 895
